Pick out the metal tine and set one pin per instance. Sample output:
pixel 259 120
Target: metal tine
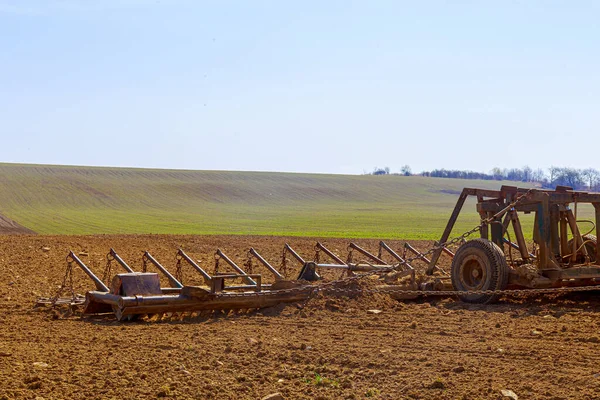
pixel 421 256
pixel 409 247
pixel 97 281
pixel 112 253
pixel 264 262
pixel 331 255
pixel 233 265
pixel 402 261
pixel 294 254
pixel 187 258
pixel 366 253
pixel 448 252
pixel 174 282
pixel 298 258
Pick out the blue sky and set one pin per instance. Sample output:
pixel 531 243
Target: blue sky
pixel 311 86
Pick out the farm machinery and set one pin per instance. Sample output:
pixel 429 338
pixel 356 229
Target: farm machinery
pixel 495 264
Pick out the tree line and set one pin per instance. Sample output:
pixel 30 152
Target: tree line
pixel 581 179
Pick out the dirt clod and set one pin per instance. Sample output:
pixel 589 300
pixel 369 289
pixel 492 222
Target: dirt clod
pixel 509 394
pixel 273 396
pixel 437 384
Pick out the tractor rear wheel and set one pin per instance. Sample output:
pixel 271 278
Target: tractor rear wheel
pixel 590 245
pixel 479 264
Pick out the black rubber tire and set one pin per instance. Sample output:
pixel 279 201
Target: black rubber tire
pixel 479 264
pixel 590 247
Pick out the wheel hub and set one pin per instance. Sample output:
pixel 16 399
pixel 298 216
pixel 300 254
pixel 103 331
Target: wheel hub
pixel 473 273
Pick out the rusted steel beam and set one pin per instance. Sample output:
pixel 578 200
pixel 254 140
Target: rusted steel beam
pixel 172 280
pixel 218 282
pixel 556 197
pixel 584 272
pixel 564 234
pixel 331 255
pixel 546 260
pixel 170 290
pixel 448 252
pixel 366 253
pixel 356 267
pixel 522 245
pixel 516 247
pixel 448 230
pixel 137 305
pixel 484 230
pixel 246 287
pixel 577 239
pixel 554 236
pixel 104 298
pixel 264 262
pixel 481 192
pixel 112 253
pixel 408 246
pixel 402 261
pixel 597 215
pixel 487 207
pixel 97 281
pixel 202 272
pixel 233 265
pixel 289 249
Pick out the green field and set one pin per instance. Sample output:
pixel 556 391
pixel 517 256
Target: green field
pixel 92 200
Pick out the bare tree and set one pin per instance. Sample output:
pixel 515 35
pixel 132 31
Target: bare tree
pixel 527 174
pixel 497 173
pixel 554 172
pixel 591 176
pixel 538 175
pixel 570 177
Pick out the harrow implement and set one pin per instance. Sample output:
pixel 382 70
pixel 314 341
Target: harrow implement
pixel 131 294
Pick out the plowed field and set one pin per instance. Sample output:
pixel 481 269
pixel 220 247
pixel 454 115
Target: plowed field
pixel 540 347
pixel 10 227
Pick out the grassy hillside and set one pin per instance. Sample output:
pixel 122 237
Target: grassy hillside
pixel 90 200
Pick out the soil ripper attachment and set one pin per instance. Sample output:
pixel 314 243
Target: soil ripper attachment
pixel 562 259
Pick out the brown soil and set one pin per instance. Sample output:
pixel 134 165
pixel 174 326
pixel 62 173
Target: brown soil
pixel 10 227
pixel 333 348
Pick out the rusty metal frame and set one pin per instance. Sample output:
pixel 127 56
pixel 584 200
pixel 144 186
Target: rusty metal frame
pixel 553 220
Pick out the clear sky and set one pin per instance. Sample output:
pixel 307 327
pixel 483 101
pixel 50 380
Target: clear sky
pixel 305 86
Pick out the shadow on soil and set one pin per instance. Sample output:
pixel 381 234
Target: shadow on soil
pixel 184 318
pixel 553 304
pixel 556 305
